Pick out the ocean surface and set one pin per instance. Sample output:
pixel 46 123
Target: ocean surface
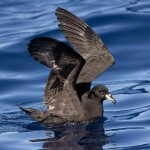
pixel 124 26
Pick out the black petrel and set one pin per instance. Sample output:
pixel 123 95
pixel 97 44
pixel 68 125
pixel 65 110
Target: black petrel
pixel 67 95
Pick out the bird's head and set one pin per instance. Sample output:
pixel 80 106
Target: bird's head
pixel 101 92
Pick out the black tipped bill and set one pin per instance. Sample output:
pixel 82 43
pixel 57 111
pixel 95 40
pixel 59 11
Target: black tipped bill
pixel 109 97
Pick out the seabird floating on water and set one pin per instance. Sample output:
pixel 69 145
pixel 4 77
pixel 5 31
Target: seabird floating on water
pixel 67 94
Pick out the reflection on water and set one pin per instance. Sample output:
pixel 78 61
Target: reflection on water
pixel 85 137
pixel 124 28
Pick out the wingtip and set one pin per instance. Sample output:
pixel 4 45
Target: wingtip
pixel 59 9
pixel 35 43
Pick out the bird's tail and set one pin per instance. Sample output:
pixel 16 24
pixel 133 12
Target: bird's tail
pixel 34 113
pixel 43 117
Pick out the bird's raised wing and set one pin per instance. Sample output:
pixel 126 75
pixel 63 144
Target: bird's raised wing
pixel 61 58
pixel 86 43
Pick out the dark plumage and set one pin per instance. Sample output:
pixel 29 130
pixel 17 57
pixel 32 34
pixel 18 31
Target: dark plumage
pixel 67 94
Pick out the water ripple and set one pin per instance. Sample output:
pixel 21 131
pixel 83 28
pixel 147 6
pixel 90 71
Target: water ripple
pixel 124 27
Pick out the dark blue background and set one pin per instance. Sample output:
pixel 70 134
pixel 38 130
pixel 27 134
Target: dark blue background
pixel 124 27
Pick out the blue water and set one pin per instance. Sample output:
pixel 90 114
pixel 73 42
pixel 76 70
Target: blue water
pixel 124 27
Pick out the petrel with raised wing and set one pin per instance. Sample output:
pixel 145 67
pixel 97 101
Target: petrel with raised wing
pixel 68 96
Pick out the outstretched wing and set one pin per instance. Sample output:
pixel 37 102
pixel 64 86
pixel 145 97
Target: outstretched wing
pixel 61 58
pixel 87 43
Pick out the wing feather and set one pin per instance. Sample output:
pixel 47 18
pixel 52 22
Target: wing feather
pixel 87 43
pixel 61 58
